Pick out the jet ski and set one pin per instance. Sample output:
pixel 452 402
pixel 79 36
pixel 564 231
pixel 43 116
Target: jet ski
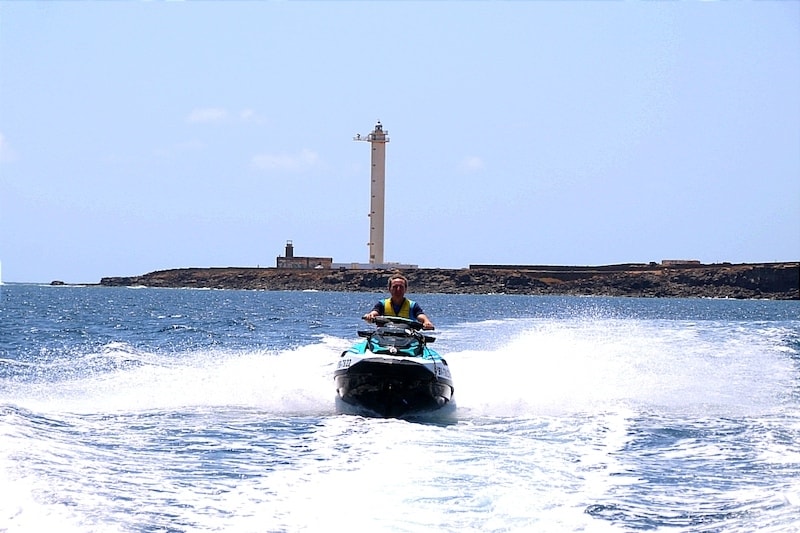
pixel 393 373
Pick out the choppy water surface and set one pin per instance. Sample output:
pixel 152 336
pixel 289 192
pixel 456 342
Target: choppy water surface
pixel 144 410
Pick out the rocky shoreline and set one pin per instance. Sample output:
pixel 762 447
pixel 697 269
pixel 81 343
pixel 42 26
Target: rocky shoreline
pixel 775 281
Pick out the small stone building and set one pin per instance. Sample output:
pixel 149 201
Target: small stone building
pixel 290 261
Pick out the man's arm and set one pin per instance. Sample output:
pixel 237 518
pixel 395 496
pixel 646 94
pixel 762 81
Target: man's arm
pixel 426 323
pixel 369 317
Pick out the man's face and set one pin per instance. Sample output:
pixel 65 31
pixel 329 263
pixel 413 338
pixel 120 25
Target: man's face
pixel 397 288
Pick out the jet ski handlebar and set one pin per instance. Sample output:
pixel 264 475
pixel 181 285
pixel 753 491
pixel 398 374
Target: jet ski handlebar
pixel 383 320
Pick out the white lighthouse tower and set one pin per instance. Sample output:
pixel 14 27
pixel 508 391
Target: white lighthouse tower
pixel 378 139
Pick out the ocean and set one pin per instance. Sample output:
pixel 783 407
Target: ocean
pixel 170 410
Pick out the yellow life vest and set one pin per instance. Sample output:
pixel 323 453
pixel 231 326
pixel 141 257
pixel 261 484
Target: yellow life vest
pixel 405 309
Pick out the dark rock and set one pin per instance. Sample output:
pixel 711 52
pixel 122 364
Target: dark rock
pixel 778 281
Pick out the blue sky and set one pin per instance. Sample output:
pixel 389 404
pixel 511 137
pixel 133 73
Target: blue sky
pixel 143 136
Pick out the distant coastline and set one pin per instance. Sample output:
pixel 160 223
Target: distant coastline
pixel 776 281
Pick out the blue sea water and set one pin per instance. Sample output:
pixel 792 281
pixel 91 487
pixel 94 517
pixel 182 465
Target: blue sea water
pixel 156 410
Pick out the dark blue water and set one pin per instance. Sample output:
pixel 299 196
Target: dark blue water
pixel 149 410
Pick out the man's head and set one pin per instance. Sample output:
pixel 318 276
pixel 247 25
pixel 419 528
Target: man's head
pixel 398 285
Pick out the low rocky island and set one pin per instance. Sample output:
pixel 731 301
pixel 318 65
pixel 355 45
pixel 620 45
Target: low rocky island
pixel 776 281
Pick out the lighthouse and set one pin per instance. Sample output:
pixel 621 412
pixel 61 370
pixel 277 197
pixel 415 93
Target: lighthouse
pixel 377 139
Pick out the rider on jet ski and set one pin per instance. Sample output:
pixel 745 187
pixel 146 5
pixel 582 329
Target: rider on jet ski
pixel 399 305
